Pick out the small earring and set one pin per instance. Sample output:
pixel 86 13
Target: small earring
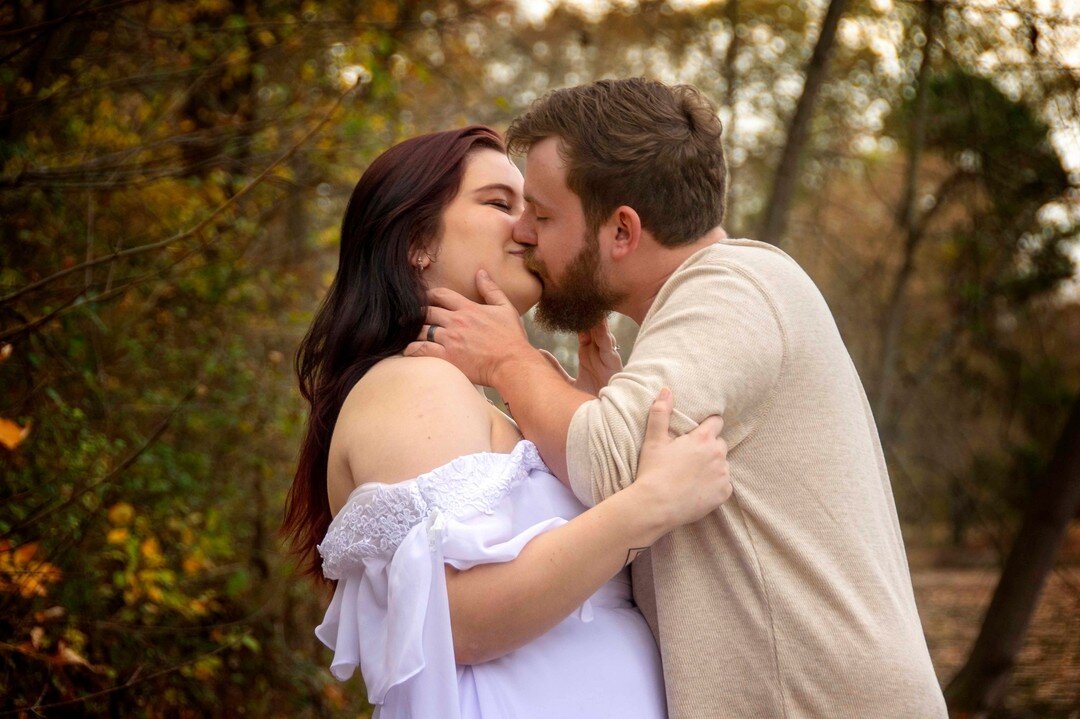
pixel 420 263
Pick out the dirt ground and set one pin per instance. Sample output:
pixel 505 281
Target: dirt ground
pixel 952 600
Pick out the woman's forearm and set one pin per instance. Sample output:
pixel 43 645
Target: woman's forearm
pixel 496 608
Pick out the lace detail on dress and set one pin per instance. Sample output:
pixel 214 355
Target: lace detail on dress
pixel 371 529
pixel 374 523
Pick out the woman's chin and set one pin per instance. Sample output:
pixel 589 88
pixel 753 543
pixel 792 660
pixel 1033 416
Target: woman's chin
pixel 524 294
pixel 524 302
pixel 521 287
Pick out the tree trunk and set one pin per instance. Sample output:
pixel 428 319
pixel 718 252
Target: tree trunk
pixel 774 224
pixel 907 219
pixel 732 14
pixel 979 687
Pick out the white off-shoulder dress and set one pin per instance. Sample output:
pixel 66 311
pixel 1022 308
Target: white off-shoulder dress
pixel 390 616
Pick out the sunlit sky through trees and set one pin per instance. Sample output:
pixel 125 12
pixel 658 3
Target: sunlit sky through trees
pixel 1055 23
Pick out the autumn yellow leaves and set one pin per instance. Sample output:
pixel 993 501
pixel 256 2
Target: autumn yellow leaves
pixel 11 433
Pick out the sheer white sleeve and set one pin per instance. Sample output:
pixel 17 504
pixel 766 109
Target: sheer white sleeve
pixel 387 548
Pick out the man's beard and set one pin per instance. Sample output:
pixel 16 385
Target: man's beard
pixel 581 298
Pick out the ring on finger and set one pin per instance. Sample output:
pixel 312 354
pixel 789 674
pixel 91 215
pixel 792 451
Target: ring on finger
pixel 431 333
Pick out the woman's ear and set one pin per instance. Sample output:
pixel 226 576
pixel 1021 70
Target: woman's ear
pixel 624 227
pixel 420 258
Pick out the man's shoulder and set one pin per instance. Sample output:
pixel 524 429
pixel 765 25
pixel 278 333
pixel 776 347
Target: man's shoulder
pixel 750 255
pixel 755 262
pixel 711 285
pixel 771 270
pixel 734 275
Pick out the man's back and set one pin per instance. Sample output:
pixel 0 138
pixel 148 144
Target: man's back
pixel 794 599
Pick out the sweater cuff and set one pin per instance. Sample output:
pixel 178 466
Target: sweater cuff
pixel 578 461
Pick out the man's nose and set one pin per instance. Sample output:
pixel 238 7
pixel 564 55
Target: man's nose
pixel 523 233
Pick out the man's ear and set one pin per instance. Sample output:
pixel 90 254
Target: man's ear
pixel 624 229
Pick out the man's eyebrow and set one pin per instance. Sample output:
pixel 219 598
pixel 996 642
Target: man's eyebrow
pixel 531 199
pixel 496 186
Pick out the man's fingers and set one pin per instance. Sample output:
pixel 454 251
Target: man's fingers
pixel 660 417
pixel 438 316
pixel 425 349
pixel 429 334
pixel 490 291
pixel 443 297
pixel 554 362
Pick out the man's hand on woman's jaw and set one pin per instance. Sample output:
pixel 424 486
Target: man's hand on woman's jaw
pixel 476 338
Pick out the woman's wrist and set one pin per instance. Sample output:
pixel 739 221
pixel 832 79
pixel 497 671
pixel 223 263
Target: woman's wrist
pixel 639 515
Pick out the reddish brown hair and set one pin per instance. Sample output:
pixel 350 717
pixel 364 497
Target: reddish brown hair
pixel 636 142
pixel 375 306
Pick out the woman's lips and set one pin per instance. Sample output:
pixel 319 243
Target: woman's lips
pixel 529 265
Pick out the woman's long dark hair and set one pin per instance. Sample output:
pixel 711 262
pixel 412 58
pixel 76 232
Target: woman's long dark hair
pixel 375 306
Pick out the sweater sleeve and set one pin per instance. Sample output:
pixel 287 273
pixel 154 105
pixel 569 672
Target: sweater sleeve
pixel 716 339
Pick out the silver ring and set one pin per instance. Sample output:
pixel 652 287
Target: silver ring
pixel 431 333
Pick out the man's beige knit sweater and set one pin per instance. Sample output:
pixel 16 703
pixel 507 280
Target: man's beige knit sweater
pixel 793 599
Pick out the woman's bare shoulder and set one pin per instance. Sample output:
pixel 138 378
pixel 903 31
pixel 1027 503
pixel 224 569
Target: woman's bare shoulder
pixel 407 416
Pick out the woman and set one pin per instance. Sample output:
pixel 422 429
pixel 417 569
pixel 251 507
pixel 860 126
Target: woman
pixel 469 581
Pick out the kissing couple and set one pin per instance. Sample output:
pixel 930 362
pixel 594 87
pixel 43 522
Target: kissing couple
pixel 707 531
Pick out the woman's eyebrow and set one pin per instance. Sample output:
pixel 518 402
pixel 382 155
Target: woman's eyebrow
pixel 496 186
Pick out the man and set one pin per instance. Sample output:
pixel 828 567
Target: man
pixel 794 599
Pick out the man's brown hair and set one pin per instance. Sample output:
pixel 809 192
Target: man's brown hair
pixel 635 142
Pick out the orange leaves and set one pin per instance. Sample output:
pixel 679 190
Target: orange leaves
pixel 22 574
pixel 65 653
pixel 117 535
pixel 334 695
pixel 121 514
pixel 146 574
pixel 192 564
pixel 151 552
pixel 383 12
pixel 265 38
pixel 11 434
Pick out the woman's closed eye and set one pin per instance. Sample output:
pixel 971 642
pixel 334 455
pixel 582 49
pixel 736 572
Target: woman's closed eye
pixel 501 204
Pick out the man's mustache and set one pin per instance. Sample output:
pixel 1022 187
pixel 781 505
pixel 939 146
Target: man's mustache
pixel 534 265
